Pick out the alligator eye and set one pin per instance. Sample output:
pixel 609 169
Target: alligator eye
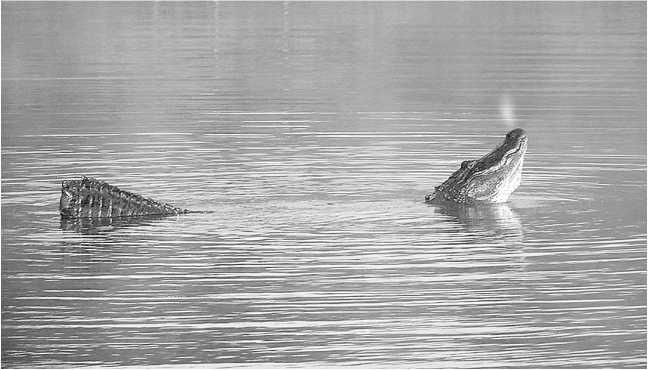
pixel 468 164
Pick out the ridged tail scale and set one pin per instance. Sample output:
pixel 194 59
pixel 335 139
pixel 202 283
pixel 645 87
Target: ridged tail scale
pixel 91 198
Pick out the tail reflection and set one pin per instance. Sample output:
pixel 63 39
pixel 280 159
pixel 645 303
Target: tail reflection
pixel 99 225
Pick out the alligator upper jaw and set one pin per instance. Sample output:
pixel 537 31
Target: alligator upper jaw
pixel 514 144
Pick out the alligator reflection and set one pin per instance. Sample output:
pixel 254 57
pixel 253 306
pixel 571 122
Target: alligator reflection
pixel 99 225
pixel 495 227
pixel 496 219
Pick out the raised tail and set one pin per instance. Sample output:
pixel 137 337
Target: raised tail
pixel 93 198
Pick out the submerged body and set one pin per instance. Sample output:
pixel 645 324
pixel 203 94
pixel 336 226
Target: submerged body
pixel 489 179
pixel 91 198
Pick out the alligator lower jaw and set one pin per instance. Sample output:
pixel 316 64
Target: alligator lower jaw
pixel 440 198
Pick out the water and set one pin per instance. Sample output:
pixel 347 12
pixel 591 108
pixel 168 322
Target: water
pixel 314 132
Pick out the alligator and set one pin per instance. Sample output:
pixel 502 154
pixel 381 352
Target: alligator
pixel 489 179
pixel 92 198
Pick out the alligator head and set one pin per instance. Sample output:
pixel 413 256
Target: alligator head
pixel 489 179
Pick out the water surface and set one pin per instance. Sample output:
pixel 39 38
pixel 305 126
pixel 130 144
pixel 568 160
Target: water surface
pixel 314 132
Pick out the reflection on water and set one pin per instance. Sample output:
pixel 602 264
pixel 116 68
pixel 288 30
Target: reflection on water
pixel 105 224
pixel 498 218
pixel 313 132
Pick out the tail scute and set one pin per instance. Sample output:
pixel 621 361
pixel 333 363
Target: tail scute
pixel 92 198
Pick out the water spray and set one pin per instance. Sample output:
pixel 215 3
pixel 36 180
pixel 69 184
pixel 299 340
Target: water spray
pixel 507 111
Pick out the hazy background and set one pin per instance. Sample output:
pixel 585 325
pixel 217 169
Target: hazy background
pixel 314 131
